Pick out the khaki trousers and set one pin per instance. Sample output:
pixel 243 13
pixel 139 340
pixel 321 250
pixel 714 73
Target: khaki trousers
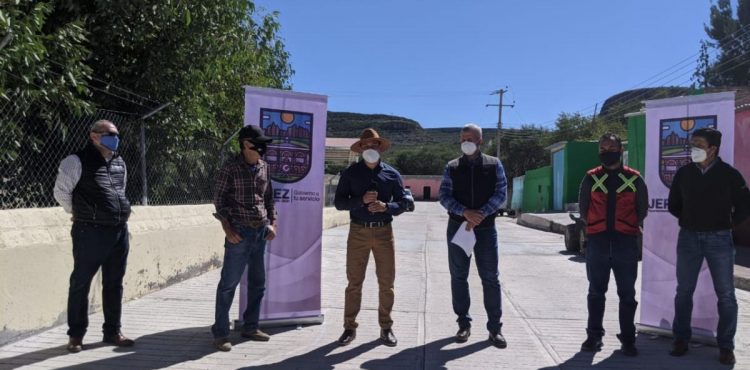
pixel 361 241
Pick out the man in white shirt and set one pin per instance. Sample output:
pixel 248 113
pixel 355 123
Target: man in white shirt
pixel 91 185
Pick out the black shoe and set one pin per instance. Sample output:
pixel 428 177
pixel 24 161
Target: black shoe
pixel 679 348
pixel 463 335
pixel 118 340
pixel 75 345
pixel 726 356
pixel 628 349
pixel 347 337
pixel 592 344
pixel 388 338
pixel 498 340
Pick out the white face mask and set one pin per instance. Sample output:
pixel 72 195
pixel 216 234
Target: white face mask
pixel 468 147
pixel 698 155
pixel 371 155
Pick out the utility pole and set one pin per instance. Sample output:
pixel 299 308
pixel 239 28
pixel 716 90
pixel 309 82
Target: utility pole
pixel 500 106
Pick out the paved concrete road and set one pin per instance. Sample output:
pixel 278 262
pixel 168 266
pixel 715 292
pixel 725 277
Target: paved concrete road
pixel 544 314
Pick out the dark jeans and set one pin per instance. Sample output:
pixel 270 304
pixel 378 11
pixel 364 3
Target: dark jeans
pixel 95 246
pixel 250 253
pixel 618 253
pixel 486 256
pixel 717 248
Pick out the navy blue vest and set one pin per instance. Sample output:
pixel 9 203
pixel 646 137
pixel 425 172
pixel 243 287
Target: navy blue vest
pixel 473 184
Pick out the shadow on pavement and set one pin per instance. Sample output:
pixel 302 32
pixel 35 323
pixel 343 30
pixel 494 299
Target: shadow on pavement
pixel 428 356
pixel 574 256
pixel 433 355
pixel 152 351
pixel 653 354
pixel 320 358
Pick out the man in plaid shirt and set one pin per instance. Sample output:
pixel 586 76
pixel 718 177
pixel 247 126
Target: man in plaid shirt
pixel 243 197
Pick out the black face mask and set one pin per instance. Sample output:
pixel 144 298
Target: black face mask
pixel 609 158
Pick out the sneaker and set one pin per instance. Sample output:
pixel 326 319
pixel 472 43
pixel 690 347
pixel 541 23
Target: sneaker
pixel 726 356
pixel 223 344
pixel 255 335
pixel 592 344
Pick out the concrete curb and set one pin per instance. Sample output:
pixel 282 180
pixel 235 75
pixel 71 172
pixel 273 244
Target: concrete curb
pixel 540 223
pixel 534 222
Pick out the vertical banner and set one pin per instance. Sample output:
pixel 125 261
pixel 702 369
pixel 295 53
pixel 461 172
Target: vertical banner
pixel 297 124
pixel 669 124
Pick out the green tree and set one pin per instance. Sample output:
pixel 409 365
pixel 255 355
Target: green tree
pixel 522 149
pixel 29 81
pixel 36 94
pixel 729 37
pixel 425 160
pixel 194 54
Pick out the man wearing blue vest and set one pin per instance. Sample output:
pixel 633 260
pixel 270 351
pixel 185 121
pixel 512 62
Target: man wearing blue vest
pixel 613 201
pixel 473 190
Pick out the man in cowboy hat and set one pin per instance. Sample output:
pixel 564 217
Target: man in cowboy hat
pixel 243 197
pixel 373 193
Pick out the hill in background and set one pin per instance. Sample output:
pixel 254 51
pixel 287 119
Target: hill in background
pixel 400 131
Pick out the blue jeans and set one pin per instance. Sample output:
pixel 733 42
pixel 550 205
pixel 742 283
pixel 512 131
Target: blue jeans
pixel 618 253
pixel 249 252
pixel 95 246
pixel 718 249
pixel 487 259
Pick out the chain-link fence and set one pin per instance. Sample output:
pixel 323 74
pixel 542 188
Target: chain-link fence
pixel 329 187
pixel 34 140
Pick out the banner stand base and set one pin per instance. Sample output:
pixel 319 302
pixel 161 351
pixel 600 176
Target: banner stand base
pixel 706 339
pixel 293 321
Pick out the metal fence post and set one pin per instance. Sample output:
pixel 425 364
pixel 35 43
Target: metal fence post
pixel 144 179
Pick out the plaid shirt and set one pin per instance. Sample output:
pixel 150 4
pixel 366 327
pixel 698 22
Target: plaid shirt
pixel 243 193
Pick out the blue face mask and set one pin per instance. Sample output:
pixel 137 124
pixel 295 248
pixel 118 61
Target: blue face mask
pixel 111 142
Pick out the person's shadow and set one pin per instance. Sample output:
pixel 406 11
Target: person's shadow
pixel 319 358
pixel 652 355
pixel 430 356
pixel 152 351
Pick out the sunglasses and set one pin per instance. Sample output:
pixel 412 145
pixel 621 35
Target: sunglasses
pixel 106 133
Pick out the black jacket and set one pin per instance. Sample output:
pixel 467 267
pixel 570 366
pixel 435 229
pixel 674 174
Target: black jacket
pixel 709 202
pixel 99 196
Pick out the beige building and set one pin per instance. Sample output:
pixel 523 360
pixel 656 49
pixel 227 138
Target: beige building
pixel 338 151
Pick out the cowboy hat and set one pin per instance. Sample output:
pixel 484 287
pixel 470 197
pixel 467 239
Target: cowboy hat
pixel 368 135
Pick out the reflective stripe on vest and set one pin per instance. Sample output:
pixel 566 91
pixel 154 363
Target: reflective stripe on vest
pixel 599 183
pixel 626 183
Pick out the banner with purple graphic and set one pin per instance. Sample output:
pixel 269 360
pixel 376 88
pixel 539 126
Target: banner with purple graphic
pixel 669 124
pixel 297 124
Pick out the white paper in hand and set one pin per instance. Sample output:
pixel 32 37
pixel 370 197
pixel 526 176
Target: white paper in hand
pixel 465 239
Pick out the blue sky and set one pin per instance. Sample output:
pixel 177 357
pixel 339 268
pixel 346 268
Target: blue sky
pixel 437 61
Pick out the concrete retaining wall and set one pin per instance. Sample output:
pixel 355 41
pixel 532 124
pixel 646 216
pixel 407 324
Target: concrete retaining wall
pixel 168 244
